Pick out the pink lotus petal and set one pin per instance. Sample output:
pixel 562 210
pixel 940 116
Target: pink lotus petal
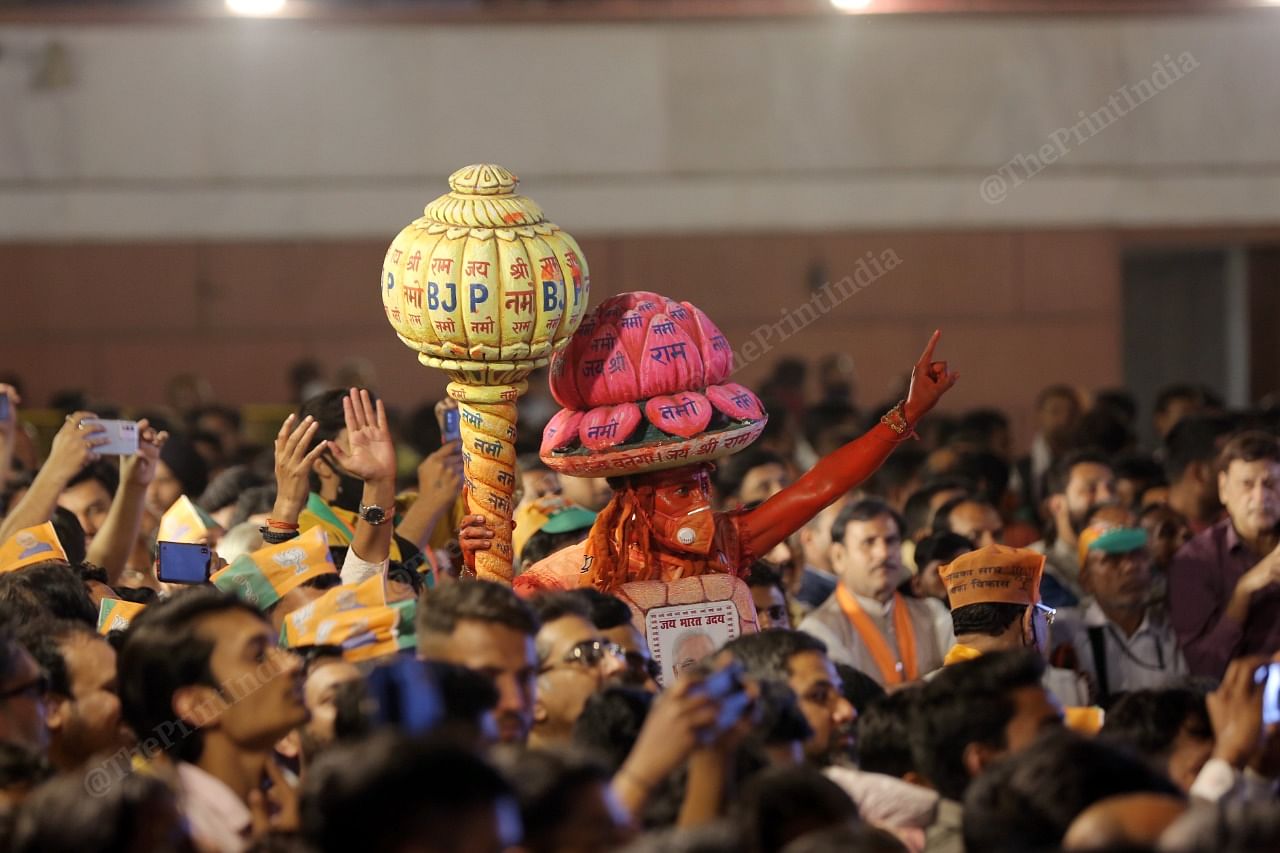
pixel 604 371
pixel 671 361
pixel 735 401
pixel 607 426
pixel 717 355
pixel 561 375
pixel 685 414
pixel 561 431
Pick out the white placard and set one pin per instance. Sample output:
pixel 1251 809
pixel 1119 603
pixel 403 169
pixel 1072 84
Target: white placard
pixel 681 635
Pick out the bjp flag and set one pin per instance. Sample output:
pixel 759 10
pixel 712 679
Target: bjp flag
pixel 265 576
pixel 29 546
pixel 301 625
pixel 186 522
pixel 115 614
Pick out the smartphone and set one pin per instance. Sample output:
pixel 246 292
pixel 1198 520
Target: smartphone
pixel 183 562
pixel 122 437
pixel 4 407
pixel 452 432
pixel 726 687
pixel 1269 674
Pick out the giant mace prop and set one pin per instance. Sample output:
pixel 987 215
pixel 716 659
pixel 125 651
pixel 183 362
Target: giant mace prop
pixel 487 290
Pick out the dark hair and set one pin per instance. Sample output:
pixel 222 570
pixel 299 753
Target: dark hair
pixel 326 408
pixel 1195 438
pixel 11 650
pixel 548 786
pixel 916 511
pixel 1104 429
pixel 884 728
pixel 1148 721
pixel 58 588
pixel 983 422
pixel 987 472
pixel 968 702
pixel 542 544
pixel 767 655
pixel 941 546
pixel 226 486
pixel 59 818
pixel 763 573
pixel 254 500
pixel 1059 475
pixel 1197 394
pixel 781 804
pixel 187 465
pixel 858 687
pixel 138 595
pixel 163 652
pixel 896 471
pixel 70 534
pixel 942 518
pixel 780 719
pixel 862 838
pixel 550 606
pixel 607 611
pixel 732 471
pixel 20 765
pixel 101 472
pixel 610 722
pixel 44 639
pixel 1251 446
pixel 1028 801
pixel 374 793
pixel 1059 390
pixel 988 619
pixel 441 609
pixel 230 414
pixel 866 509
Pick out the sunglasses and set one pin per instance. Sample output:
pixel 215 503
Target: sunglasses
pixel 36 688
pixel 588 653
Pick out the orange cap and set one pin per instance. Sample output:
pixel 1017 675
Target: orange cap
pixel 995 574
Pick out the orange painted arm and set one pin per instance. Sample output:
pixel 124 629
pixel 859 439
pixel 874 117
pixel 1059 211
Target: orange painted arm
pixel 834 475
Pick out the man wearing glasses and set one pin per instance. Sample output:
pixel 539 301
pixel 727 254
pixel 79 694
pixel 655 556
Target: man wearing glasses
pixel 23 687
pixel 574 661
pixel 994 593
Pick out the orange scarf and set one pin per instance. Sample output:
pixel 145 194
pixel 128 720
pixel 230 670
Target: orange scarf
pixel 892 670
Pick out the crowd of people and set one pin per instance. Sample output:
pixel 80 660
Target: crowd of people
pixel 977 650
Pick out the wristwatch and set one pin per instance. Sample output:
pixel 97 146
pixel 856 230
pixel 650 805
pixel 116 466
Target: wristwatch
pixel 372 514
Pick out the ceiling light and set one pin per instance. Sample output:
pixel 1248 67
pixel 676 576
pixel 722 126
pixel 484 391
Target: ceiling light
pixel 255 8
pixel 851 5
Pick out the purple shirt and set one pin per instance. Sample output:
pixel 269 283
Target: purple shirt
pixel 1201 579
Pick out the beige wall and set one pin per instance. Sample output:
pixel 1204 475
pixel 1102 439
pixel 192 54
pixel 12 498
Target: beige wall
pixel 1018 309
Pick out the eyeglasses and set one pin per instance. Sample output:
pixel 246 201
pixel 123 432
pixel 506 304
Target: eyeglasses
pixel 1048 612
pixel 588 653
pixel 36 688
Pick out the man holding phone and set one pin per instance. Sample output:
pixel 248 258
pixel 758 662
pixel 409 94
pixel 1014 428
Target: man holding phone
pixel 80 442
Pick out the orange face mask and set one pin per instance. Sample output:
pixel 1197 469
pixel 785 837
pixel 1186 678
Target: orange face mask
pixel 682 518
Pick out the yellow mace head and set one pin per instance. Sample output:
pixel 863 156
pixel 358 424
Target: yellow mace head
pixel 482 285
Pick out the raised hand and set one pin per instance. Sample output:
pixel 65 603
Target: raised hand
pixel 293 466
pixel 441 470
pixel 75 446
pixel 140 469
pixel 372 456
pixel 929 381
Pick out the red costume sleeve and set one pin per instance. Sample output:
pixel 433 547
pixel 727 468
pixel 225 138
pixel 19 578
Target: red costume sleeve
pixel 833 476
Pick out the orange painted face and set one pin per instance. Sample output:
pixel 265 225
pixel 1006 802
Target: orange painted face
pixel 682 518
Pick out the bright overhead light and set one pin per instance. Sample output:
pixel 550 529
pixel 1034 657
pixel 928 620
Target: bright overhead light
pixel 256 8
pixel 851 5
